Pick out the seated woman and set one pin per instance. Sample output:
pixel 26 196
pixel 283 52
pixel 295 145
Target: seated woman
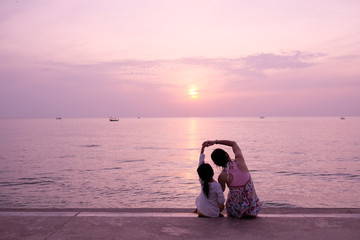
pixel 242 200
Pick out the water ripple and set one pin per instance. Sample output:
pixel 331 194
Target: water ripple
pixel 90 146
pixel 27 181
pixel 311 174
pixel 113 168
pixel 134 160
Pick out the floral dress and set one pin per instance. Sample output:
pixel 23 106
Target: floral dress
pixel 243 201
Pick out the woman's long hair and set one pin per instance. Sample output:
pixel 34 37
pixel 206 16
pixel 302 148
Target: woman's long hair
pixel 220 157
pixel 206 174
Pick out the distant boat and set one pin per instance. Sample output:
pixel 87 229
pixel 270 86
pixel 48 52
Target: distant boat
pixel 58 118
pixel 342 118
pixel 262 117
pixel 114 119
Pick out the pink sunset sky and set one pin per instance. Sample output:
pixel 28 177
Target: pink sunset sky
pixel 173 58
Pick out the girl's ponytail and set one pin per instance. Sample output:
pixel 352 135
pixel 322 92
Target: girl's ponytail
pixel 205 189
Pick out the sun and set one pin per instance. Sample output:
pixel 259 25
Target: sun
pixel 193 92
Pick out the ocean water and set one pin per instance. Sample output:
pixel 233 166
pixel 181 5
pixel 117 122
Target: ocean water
pixel 151 162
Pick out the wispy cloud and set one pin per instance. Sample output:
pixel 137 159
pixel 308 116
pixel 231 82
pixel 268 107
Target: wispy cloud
pixel 258 62
pixel 231 74
pixel 160 86
pixel 292 60
pixel 347 57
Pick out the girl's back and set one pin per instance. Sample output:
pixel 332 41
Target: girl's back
pixel 209 206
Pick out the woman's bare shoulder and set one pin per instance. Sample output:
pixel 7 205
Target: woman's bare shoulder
pixel 222 176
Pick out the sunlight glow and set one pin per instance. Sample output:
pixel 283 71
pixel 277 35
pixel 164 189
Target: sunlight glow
pixel 193 92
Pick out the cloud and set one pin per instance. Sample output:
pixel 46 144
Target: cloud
pixel 292 60
pixel 159 87
pixel 229 74
pixel 258 62
pixel 347 57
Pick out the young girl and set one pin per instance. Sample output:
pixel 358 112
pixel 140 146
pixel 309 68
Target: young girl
pixel 211 200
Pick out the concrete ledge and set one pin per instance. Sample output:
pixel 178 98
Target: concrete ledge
pixel 175 212
pixel 182 210
pixel 172 223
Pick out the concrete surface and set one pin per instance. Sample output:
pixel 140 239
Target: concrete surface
pixel 272 223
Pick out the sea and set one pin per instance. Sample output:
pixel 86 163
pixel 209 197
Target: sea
pixel 305 162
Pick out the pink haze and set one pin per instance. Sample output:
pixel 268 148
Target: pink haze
pixel 140 58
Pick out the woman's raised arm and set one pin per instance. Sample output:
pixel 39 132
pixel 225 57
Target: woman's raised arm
pixel 235 147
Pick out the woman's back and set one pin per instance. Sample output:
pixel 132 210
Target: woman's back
pixel 239 178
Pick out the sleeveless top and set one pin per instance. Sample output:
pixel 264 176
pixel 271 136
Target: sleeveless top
pixel 240 178
pixel 242 199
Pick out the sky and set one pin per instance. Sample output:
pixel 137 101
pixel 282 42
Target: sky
pixel 179 58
